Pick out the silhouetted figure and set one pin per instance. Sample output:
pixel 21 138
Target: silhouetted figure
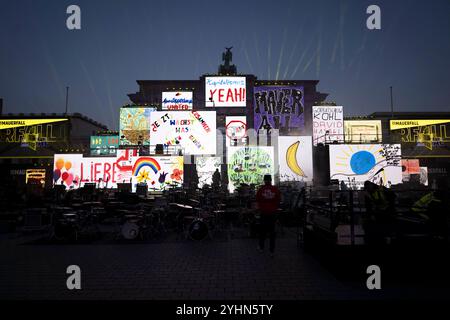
pixel 268 199
pixel 216 179
pixel 433 207
pixel 380 211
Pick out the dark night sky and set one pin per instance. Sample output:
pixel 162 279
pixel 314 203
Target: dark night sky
pixel 122 41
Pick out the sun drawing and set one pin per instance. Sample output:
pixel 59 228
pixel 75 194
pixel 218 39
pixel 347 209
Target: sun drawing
pixel 358 159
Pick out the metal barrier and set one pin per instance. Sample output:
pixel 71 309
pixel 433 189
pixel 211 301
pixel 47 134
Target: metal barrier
pixel 329 209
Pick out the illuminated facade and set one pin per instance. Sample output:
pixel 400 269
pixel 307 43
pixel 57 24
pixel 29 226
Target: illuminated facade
pixel 30 141
pixel 286 105
pixel 423 136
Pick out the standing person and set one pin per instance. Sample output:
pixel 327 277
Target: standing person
pixel 380 212
pixel 268 200
pixel 216 179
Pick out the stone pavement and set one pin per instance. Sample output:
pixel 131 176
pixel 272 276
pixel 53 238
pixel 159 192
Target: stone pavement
pixel 229 269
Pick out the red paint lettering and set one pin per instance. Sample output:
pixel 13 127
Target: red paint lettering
pixel 113 180
pixel 211 94
pixel 96 171
pixel 106 174
pixel 82 176
pixel 230 96
pixel 221 95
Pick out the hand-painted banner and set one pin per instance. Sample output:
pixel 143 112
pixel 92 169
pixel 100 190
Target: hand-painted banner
pixel 362 131
pixel 206 166
pixel 135 126
pixel 193 131
pixel 328 124
pixel 295 158
pixel 248 165
pixel 279 107
pixel 235 130
pixel 74 170
pixel 177 101
pixel 104 145
pixel 35 175
pixel 355 164
pixel 225 92
pixel 410 166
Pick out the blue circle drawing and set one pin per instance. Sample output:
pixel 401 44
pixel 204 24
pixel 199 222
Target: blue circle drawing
pixel 362 161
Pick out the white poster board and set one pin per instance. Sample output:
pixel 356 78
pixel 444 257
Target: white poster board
pixel 355 164
pixel 193 131
pixel 295 158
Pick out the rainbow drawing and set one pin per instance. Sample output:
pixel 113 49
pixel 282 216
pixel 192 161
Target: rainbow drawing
pixel 145 162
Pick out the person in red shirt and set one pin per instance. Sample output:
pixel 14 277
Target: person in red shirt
pixel 268 200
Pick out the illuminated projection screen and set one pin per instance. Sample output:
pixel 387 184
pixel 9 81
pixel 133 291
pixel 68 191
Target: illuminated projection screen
pixel 423 179
pixel 295 158
pixel 411 168
pixel 434 135
pixel 73 170
pixel 33 133
pixel 225 92
pixel 206 166
pixel 235 129
pixel 35 175
pixel 328 118
pixel 135 126
pixel 355 164
pixel 104 145
pixel 177 101
pixel 279 107
pixel 15 123
pixel 249 165
pixel 193 131
pixel 362 131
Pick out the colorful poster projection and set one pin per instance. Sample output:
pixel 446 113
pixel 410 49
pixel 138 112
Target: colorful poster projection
pixel 279 107
pixel 236 130
pixel 328 124
pixel 135 126
pixel 362 131
pixel 248 165
pixel 423 179
pixel 35 175
pixel 73 170
pixel 206 166
pixel 104 145
pixel 15 123
pixel 193 131
pixel 431 134
pixel 295 158
pixel 33 133
pixel 225 92
pixel 177 101
pixel 410 166
pixel 411 169
pixel 355 164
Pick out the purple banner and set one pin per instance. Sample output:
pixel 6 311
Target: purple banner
pixel 278 107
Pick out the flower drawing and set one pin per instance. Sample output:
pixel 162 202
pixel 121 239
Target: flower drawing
pixel 177 174
pixel 143 176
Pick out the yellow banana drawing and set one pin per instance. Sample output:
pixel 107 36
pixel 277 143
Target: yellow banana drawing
pixel 291 159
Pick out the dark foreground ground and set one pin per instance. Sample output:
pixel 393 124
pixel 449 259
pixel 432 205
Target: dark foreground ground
pixel 227 267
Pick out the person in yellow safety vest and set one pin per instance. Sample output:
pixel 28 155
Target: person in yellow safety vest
pixel 380 210
pixel 377 200
pixel 422 205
